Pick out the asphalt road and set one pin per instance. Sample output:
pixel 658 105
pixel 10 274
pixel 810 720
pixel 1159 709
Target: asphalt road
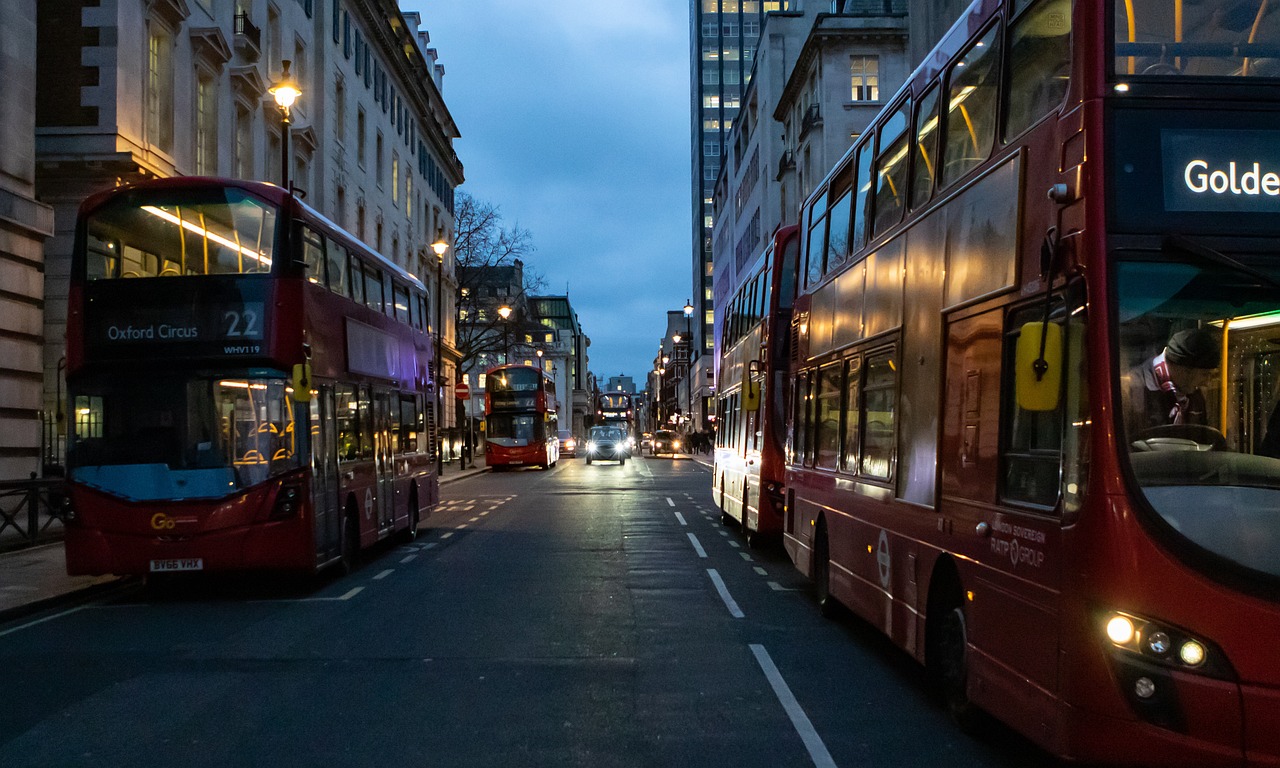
pixel 585 616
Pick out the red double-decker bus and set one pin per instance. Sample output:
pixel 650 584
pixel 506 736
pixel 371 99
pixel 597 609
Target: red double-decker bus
pixel 1034 433
pixel 616 409
pixel 520 417
pixel 754 356
pixel 247 382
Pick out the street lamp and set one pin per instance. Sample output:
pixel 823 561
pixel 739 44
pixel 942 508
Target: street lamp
pixel 285 92
pixel 688 371
pixel 504 312
pixel 440 246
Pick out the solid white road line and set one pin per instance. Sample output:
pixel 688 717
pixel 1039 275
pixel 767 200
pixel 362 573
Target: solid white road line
pixel 729 602
pixel 697 546
pixel 799 720
pixel 41 621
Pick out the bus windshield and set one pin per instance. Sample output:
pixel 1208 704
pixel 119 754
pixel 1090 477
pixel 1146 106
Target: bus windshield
pixel 176 437
pixel 1197 38
pixel 1200 390
pixel 173 234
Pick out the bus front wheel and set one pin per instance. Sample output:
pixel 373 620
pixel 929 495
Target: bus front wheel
pixel 950 654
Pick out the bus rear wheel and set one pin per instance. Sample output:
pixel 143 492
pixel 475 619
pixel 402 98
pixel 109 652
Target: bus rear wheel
pixel 350 546
pixel 414 518
pixel 822 572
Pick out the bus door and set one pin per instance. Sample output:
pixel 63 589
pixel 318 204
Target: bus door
pixel 998 513
pixel 324 475
pixel 384 416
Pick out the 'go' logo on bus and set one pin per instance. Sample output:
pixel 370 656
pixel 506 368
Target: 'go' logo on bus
pixel 162 522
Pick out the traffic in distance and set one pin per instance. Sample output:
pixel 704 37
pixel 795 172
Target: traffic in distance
pixel 1007 389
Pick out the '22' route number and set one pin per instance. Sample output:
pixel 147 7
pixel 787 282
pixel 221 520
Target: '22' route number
pixel 241 325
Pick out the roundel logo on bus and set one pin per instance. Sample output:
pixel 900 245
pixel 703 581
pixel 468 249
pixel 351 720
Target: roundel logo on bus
pixel 162 522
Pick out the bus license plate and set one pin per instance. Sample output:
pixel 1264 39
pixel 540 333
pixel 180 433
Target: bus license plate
pixel 182 564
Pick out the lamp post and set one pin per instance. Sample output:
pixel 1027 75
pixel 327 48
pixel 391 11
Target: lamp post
pixel 285 92
pixel 504 312
pixel 688 335
pixel 440 246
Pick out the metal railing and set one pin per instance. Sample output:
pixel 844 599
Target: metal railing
pixel 31 511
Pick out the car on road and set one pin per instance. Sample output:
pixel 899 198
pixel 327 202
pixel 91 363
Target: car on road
pixel 607 444
pixel 664 441
pixel 568 444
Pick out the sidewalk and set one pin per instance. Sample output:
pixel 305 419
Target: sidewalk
pixel 32 578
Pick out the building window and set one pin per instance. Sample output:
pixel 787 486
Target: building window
pixel 360 133
pixel 160 88
pixel 340 110
pixel 395 178
pixel 864 78
pixel 244 144
pixel 377 159
pixel 206 125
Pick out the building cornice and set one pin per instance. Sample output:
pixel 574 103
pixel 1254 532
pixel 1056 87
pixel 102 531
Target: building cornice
pixel 829 27
pixel 386 26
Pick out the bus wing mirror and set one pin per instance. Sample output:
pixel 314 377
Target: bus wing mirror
pixel 750 389
pixel 1038 366
pixel 302 383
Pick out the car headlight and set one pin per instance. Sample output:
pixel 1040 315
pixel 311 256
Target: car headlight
pixel 675 443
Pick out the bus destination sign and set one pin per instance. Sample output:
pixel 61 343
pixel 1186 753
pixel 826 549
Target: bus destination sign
pixel 1221 171
pixel 235 329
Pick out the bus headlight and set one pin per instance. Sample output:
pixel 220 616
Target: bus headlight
pixel 1165 645
pixel 591 446
pixel 288 499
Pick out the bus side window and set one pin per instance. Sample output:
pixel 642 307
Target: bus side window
pixel 347 413
pixel 852 422
pixel 1033 439
pixel 862 199
pixel 891 170
pixel 925 153
pixel 1039 63
pixel 408 424
pixel 971 116
pixel 313 255
pixel 373 288
pixel 336 255
pixel 827 415
pixel 355 270
pixel 401 298
pixel 879 410
pixel 365 421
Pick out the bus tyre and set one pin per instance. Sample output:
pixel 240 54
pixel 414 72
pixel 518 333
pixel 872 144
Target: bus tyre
pixel 350 545
pixel 411 532
pixel 951 653
pixel 822 573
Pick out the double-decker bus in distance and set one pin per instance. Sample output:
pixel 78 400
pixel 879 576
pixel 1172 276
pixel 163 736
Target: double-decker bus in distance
pixel 1033 437
pixel 247 382
pixel 520 416
pixel 753 371
pixel 617 410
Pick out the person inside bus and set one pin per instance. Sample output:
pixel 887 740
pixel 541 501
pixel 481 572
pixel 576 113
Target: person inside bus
pixel 1168 389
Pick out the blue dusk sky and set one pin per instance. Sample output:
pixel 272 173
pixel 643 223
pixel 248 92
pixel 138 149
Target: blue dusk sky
pixel 574 117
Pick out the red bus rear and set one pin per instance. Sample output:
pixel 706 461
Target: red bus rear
pixel 247 382
pixel 521 417
pixel 1034 436
pixel 755 355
